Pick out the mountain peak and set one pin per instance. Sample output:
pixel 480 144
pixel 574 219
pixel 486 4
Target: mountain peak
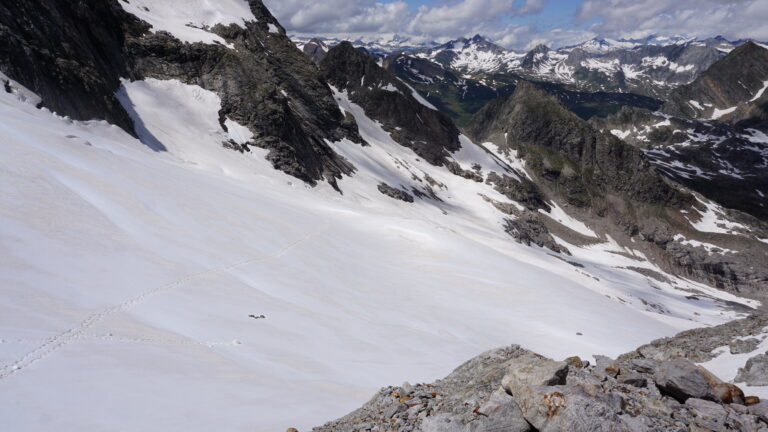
pixel 478 38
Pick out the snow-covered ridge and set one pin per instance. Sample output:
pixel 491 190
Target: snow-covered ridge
pixel 190 20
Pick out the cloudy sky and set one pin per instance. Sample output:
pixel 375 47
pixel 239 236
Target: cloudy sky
pixel 524 23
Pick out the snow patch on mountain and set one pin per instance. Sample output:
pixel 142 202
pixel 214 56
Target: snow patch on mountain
pixel 558 214
pixel 708 246
pixel 760 92
pixel 717 113
pixel 190 20
pixel 664 62
pixel 713 219
pixel 419 97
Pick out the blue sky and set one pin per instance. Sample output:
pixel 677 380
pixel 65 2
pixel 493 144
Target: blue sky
pixel 521 24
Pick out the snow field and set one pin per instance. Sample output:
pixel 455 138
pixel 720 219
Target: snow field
pixel 129 275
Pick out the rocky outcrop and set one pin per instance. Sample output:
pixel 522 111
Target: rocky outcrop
pixel 698 345
pixel 70 54
pixel 520 189
pixel 724 160
pixel 265 83
pixel 395 193
pixel 74 56
pixel 527 228
pixel 315 49
pixel 513 389
pixel 470 398
pixel 566 150
pixel 386 99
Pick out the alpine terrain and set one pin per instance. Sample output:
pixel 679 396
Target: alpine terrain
pixel 208 224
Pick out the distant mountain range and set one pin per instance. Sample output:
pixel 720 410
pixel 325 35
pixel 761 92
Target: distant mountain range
pixel 651 66
pixel 596 77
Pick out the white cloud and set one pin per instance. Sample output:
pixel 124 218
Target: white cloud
pixel 531 7
pixel 464 17
pixel 338 16
pixel 446 20
pixel 733 19
pixel 441 20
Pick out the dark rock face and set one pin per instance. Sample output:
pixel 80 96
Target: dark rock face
pixel 386 99
pixel 735 272
pixel 69 53
pixel 723 162
pixel 265 84
pixel 316 50
pixel 456 169
pixel 529 229
pixel 598 104
pixel 734 79
pixel 523 191
pixel 79 52
pixel 559 145
pixel 572 162
pixel 533 57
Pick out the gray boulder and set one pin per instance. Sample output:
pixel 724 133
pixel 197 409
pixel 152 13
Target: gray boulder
pixel 760 410
pixel 500 413
pixel 533 369
pixel 605 366
pixel 571 408
pixel 681 379
pixel 442 422
pixel 706 414
pixel 755 372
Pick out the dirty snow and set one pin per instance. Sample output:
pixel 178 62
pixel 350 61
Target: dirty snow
pixel 717 113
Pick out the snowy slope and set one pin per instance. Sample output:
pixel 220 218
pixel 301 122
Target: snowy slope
pixel 129 275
